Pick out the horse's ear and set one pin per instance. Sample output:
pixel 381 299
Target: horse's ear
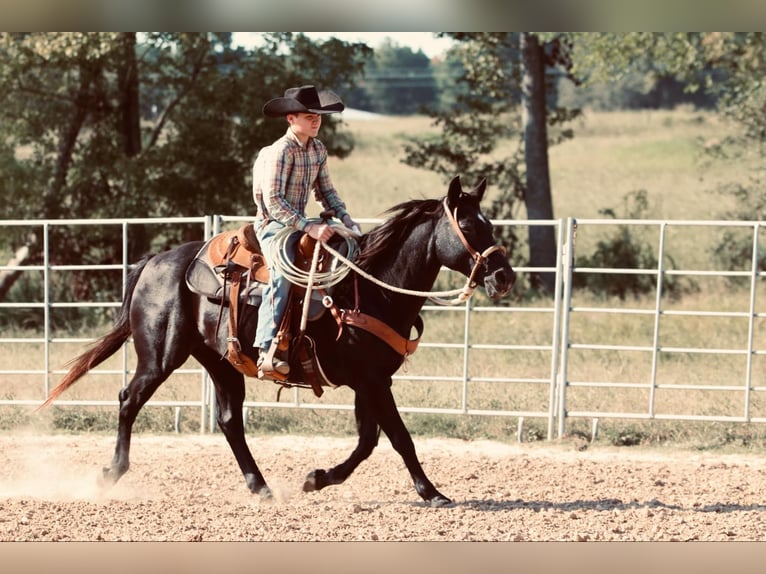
pixel 478 191
pixel 455 189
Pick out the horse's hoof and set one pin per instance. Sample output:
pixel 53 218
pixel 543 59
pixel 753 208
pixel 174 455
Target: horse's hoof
pixel 106 478
pixel 266 494
pixel 314 481
pixel 440 501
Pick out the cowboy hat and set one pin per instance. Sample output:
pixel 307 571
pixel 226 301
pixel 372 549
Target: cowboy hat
pixel 305 99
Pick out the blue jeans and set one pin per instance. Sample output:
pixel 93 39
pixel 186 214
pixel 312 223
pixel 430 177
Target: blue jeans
pixel 276 291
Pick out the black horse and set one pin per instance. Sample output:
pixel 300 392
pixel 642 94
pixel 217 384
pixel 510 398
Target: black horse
pixel 169 323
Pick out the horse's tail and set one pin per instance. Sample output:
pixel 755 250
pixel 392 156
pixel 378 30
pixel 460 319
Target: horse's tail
pixel 107 345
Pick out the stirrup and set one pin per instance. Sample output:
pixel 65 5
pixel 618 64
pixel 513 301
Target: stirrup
pixel 272 367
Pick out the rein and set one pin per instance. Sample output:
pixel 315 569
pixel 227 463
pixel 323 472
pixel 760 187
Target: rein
pixel 403 346
pixel 461 295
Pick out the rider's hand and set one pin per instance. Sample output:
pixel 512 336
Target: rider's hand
pixel 351 224
pixel 319 231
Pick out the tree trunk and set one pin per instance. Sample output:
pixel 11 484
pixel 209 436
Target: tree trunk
pixel 542 239
pixel 130 111
pixel 130 128
pixel 69 133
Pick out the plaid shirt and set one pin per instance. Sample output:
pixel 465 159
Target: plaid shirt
pixel 283 175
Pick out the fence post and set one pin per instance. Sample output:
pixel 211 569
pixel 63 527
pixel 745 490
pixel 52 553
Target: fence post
pixel 466 349
pixel 125 272
pixel 751 322
pixel 561 249
pixel 566 306
pixel 47 308
pixel 657 316
pixel 213 225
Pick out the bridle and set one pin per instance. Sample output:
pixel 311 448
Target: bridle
pixel 479 258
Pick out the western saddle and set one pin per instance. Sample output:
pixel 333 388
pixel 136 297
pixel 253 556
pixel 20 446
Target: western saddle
pixel 236 256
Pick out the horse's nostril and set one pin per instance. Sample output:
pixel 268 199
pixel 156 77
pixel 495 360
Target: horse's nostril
pixel 503 277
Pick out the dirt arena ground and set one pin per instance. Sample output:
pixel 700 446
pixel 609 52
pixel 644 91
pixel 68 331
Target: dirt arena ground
pixel 189 488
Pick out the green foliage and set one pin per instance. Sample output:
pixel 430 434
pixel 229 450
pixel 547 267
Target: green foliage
pixel 397 81
pixel 734 250
pixel 700 436
pixel 200 129
pixel 70 117
pixel 84 420
pixel 484 114
pixel 728 66
pixel 105 420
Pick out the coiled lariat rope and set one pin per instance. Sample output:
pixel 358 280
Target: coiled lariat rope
pixel 343 264
pixel 318 279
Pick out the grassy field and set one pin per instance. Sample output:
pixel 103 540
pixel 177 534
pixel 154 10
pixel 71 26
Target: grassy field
pixel 611 156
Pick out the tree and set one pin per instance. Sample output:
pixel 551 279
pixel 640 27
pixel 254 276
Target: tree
pixel 725 65
pixel 73 100
pixel 488 112
pixel 74 142
pixel 397 81
pixel 537 196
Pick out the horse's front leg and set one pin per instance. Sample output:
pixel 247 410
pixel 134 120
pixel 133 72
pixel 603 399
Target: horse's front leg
pixel 387 415
pixel 368 431
pixel 375 408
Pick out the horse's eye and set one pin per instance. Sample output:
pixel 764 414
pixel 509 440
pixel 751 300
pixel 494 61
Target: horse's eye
pixel 468 226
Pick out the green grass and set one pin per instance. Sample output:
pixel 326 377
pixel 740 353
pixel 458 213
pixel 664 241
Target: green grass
pixel 612 155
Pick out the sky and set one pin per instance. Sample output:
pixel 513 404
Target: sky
pixel 425 41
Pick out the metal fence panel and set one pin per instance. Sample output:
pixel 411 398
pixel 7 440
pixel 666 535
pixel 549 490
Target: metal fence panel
pixel 463 352
pixel 673 347
pixel 465 363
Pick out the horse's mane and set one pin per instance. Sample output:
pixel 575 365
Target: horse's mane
pixel 391 234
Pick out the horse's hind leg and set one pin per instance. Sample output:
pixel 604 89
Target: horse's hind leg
pixel 162 345
pixel 230 396
pixel 147 379
pixel 368 439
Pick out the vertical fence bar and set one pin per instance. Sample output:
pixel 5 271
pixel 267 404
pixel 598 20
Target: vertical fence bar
pixel 466 348
pixel 125 272
pixel 47 307
pixel 212 225
pixel 751 321
pixel 657 316
pixel 562 247
pixel 567 270
pixel 203 398
pixel 211 404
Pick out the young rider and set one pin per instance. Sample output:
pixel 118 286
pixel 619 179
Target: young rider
pixel 283 175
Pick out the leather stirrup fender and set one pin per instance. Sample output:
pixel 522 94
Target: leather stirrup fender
pixel 234 354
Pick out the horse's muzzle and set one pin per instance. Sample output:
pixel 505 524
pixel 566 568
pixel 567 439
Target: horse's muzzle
pixel 499 283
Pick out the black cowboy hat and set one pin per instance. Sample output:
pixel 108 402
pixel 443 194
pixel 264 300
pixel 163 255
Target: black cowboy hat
pixel 305 99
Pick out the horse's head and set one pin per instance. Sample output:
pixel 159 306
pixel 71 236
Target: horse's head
pixel 466 242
